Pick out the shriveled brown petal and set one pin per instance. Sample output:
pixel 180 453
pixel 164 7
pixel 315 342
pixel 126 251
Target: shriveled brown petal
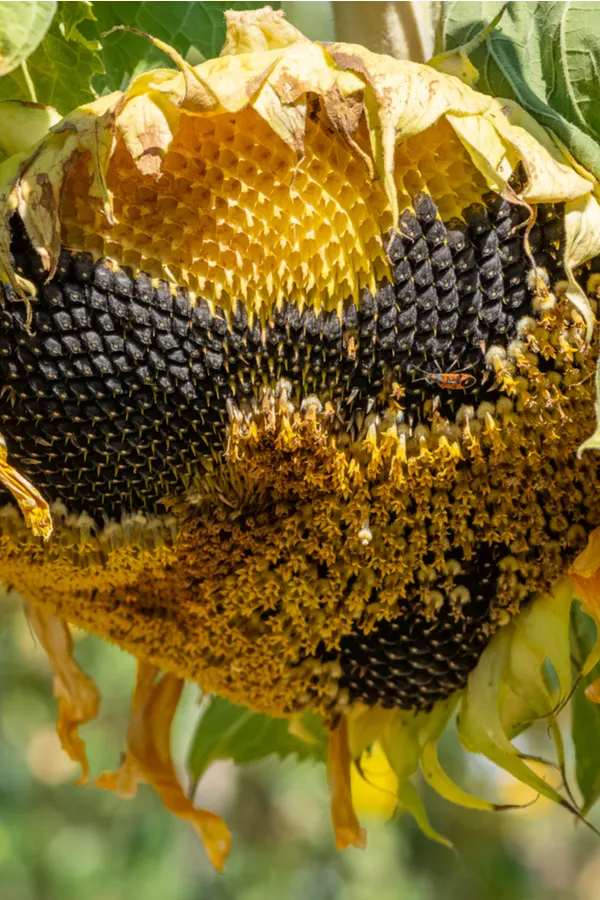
pixel 345 823
pixel 78 697
pixel 149 759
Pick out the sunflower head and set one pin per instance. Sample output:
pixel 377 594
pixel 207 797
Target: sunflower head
pixel 297 353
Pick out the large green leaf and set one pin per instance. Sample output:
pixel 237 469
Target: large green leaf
pixel 226 731
pixel 543 55
pixel 194 29
pixel 585 715
pixel 75 62
pixel 22 27
pixel 586 738
pixel 59 72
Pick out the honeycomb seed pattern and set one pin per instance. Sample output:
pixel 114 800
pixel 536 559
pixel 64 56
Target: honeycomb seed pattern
pixel 412 661
pixel 122 383
pixel 236 215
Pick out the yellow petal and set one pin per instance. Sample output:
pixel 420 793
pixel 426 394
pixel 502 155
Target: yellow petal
pixel 582 242
pixel 374 785
pixel 441 782
pixel 257 31
pixel 35 509
pixel 78 697
pixel 365 725
pixel 148 759
pixel 348 832
pixel 147 124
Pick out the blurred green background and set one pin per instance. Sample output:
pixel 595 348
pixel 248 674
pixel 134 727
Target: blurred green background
pixel 59 841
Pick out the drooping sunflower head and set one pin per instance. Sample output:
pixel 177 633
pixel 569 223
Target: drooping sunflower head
pixel 297 351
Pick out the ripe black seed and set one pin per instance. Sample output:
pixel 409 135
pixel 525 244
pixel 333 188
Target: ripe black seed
pixel 409 226
pixel 468 282
pixel 82 267
pixel 83 366
pixel 117 306
pixel 446 280
pixel 103 276
pixel 64 265
pixel 53 295
pixel 441 258
pixel 493 289
pixel 510 252
pixel 425 208
pixel 387 318
pixel 490 268
pixel 477 219
pixel 457 235
pixel 142 289
pixel 396 249
pixel 80 317
pixel 123 283
pixel 487 244
pixel 418 252
pixel 402 271
pixel 515 298
pixel 74 293
pixel 504 229
pixel 448 300
pixel 436 234
pixel 423 274
pixel 448 324
pixel 407 318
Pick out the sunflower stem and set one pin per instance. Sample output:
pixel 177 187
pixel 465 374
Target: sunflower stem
pixel 29 82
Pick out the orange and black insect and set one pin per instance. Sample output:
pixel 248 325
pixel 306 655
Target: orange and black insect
pixel 452 381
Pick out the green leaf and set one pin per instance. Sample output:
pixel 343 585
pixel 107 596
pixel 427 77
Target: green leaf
pixel 22 28
pixel 22 125
pixel 544 56
pixel 586 738
pixel 59 72
pixel 585 715
pixel 194 29
pixel 226 731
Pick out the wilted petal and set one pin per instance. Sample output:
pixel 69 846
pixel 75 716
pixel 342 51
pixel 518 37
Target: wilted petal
pixel 346 826
pixel 585 573
pixel 148 759
pixel 78 697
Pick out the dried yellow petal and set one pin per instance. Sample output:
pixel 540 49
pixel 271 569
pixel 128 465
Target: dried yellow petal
pixel 78 697
pixel 31 503
pixel 348 832
pixel 148 759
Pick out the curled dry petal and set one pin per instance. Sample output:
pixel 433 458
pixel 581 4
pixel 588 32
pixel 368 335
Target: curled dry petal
pixel 35 509
pixel 585 573
pixel 257 31
pixel 148 759
pixel 348 832
pixel 78 697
